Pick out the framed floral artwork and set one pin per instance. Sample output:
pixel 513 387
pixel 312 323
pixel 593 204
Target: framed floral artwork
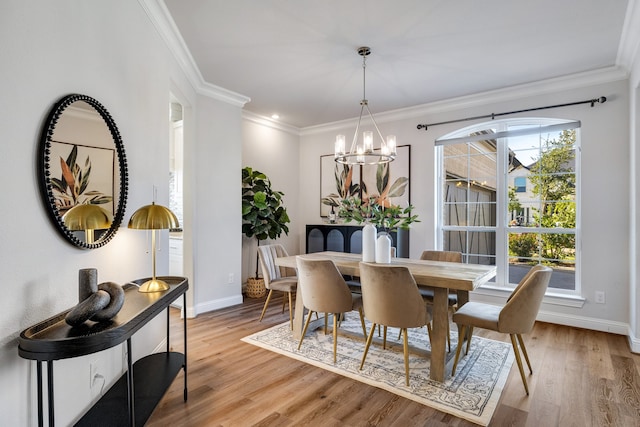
pixel 387 183
pixel 82 174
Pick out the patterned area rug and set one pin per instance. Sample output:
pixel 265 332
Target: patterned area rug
pixel 472 394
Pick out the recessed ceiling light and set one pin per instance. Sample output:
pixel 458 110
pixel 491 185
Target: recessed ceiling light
pixel 275 116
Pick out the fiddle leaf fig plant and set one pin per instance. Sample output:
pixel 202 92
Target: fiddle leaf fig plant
pixel 263 214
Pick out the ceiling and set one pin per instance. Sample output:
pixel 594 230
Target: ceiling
pixel 298 58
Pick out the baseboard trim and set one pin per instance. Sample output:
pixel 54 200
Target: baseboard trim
pixel 634 342
pixel 591 323
pixel 214 305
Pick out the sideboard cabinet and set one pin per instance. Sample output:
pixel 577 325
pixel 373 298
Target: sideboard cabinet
pixel 132 399
pixel 348 238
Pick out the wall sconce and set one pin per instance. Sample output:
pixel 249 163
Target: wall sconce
pixel 153 217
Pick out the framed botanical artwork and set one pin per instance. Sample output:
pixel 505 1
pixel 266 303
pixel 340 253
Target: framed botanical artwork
pixel 387 183
pixel 82 174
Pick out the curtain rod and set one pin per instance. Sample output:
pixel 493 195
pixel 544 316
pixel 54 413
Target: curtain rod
pixel 593 101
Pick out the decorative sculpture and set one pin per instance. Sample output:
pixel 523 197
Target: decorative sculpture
pixel 98 303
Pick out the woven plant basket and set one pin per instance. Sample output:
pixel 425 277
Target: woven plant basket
pixel 255 288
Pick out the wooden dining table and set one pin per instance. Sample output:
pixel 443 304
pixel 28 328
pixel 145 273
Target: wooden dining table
pixel 439 276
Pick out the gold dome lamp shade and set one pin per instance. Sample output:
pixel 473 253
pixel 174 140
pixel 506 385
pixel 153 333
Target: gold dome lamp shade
pixel 87 217
pixel 153 217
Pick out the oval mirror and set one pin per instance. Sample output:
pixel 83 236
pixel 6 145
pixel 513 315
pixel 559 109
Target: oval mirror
pixel 83 171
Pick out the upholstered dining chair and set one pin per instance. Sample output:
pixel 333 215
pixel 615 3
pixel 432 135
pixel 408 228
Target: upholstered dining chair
pixel 324 290
pixel 391 298
pixel 516 317
pixel 427 294
pixel 277 278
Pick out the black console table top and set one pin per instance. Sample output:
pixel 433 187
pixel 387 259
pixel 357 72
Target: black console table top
pixel 54 339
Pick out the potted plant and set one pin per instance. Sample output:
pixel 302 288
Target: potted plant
pixel 263 217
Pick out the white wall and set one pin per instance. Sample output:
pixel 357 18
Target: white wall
pixel 110 51
pixel 214 206
pixel 605 179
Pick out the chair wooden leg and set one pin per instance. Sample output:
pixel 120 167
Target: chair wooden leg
pixel 266 303
pixel 469 340
pixel 366 347
pixel 364 328
pixel 460 341
pixel 284 302
pixel 524 351
pixel 326 318
pixel 448 335
pixel 384 337
pixel 406 355
pixel 290 310
pixel 429 331
pixel 304 330
pixel 335 336
pixel 517 352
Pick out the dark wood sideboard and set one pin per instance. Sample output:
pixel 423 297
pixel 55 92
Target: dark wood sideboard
pixel 132 399
pixel 348 238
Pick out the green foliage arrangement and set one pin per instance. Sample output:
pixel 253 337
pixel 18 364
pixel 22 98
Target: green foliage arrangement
pixel 388 218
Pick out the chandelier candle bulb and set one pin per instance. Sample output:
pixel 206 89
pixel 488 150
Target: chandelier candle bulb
pixel 390 146
pixel 367 137
pixel 369 243
pixel 340 145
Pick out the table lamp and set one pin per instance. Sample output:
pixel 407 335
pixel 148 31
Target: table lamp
pixel 153 217
pixel 87 217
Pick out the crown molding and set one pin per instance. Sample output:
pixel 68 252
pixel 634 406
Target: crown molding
pixel 268 122
pixel 558 84
pixel 161 19
pixel 630 37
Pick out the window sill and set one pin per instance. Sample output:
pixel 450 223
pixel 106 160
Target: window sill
pixel 554 298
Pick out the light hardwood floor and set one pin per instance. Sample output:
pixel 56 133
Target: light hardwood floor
pixel 581 378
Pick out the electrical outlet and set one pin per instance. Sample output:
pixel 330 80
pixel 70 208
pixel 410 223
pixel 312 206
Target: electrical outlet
pixel 600 297
pixel 231 279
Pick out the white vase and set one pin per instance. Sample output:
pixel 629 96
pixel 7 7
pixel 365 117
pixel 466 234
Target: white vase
pixel 369 233
pixel 383 249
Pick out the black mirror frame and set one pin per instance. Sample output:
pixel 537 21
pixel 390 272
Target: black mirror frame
pixel 44 173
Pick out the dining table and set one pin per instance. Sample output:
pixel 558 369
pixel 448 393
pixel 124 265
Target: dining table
pixel 441 277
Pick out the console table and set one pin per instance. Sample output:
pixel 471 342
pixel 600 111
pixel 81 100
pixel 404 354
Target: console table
pixel 132 399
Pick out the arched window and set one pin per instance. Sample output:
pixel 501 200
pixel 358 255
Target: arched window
pixel 508 195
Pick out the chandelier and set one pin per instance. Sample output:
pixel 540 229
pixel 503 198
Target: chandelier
pixel 362 152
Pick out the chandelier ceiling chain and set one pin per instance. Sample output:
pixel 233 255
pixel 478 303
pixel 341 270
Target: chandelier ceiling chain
pixel 363 153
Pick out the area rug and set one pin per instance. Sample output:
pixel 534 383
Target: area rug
pixel 472 394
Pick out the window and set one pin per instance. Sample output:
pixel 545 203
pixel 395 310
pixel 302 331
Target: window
pixel 508 195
